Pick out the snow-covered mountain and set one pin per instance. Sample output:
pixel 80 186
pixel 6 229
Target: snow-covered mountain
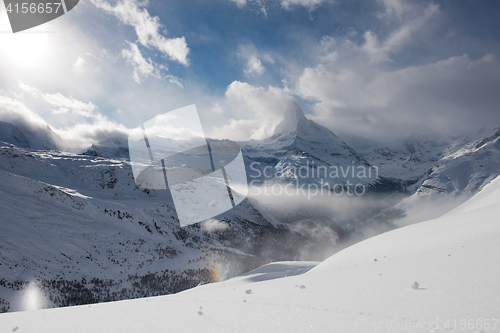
pixel 81 226
pixel 12 134
pixel 441 164
pixel 112 148
pixel 409 159
pixel 434 276
pixel 439 172
pixel 464 166
pixel 308 155
pixel 299 144
pixel 35 137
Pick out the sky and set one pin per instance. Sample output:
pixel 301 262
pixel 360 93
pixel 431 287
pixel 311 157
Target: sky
pixel 368 70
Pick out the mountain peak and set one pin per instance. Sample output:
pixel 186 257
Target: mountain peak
pixel 26 135
pixel 294 118
pixel 11 134
pixel 112 148
pixel 296 125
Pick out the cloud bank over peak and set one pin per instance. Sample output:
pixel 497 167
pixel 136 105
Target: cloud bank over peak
pixel 77 124
pixel 255 111
pixel 27 129
pixel 438 97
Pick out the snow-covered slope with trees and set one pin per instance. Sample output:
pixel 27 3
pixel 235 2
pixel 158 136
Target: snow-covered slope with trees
pixel 81 226
pixel 435 276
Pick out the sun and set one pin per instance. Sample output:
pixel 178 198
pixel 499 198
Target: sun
pixel 24 50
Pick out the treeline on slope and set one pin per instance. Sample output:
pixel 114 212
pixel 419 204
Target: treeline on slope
pixel 61 292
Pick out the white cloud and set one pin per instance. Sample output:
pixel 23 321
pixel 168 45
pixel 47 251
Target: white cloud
pixel 451 95
pixel 393 8
pixel 146 67
pixel 78 107
pixel 260 4
pixel 79 64
pixel 16 113
pixel 79 123
pixel 286 4
pixel 34 128
pixel 27 88
pixel 217 108
pixel 364 89
pixel 140 64
pixel 311 4
pixel 175 80
pixel 253 59
pixel 240 3
pixel 254 66
pixel 63 103
pixel 212 225
pixel 131 12
pixel 80 136
pixel 397 39
pixel 60 111
pixel 255 111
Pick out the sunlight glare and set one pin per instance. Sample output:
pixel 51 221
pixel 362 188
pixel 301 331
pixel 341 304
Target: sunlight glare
pixel 33 298
pixel 25 49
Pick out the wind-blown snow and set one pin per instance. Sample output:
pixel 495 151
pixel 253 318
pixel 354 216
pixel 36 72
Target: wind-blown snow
pixel 364 288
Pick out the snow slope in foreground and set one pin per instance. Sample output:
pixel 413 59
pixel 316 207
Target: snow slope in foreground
pixel 364 288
